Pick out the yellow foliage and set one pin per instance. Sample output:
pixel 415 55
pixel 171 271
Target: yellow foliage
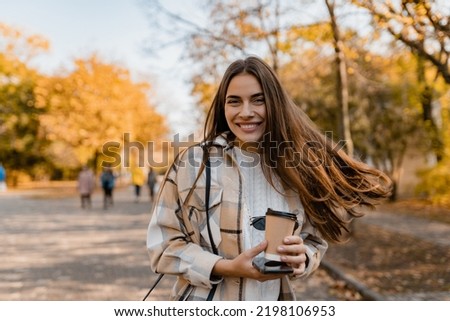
pixel 95 104
pixel 205 92
pixel 14 43
pixel 436 181
pixel 318 33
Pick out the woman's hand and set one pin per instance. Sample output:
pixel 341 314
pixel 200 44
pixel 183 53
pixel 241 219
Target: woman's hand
pixel 241 266
pixel 293 253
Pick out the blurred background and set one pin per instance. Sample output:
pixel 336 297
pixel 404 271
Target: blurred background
pixel 117 79
pixel 129 83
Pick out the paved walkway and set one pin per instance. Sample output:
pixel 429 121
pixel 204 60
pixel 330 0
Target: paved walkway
pixel 421 233
pixel 421 228
pixel 53 250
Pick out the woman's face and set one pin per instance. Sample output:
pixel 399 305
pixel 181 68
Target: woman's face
pixel 245 109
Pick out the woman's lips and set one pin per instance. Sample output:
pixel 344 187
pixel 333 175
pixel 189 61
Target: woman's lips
pixel 248 127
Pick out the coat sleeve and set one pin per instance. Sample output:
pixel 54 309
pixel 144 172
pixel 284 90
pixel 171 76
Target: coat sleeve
pixel 170 241
pixel 316 247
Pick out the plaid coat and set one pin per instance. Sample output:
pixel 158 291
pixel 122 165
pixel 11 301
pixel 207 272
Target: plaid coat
pixel 178 242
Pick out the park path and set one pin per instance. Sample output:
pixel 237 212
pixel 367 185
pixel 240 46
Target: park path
pixel 54 250
pixel 422 228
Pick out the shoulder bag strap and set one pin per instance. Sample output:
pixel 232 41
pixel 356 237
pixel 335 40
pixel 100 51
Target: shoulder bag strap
pixel 153 286
pixel 213 246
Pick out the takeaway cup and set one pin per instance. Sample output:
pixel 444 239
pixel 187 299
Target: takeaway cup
pixel 278 226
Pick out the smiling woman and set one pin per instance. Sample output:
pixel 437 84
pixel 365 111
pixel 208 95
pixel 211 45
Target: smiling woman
pixel 245 110
pixel 203 227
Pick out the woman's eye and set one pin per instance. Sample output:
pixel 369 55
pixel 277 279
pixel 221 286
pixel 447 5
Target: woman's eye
pixel 259 101
pixel 232 102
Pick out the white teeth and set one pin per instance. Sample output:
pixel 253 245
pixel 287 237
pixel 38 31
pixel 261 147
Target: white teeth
pixel 248 126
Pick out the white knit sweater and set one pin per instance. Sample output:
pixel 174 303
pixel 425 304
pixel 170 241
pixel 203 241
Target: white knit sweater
pixel 258 195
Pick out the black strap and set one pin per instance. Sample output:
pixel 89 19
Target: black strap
pixel 153 286
pixel 207 192
pixel 213 245
pixel 212 292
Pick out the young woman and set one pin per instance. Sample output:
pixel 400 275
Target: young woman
pixel 263 152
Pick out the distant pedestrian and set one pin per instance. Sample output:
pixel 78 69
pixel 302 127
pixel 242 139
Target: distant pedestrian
pixel 2 178
pixel 108 182
pixel 151 182
pixel 137 179
pixel 86 184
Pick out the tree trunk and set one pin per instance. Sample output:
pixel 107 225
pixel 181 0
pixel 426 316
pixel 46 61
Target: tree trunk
pixel 342 82
pixel 426 99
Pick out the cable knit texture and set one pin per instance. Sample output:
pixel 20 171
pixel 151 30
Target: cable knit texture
pixel 258 196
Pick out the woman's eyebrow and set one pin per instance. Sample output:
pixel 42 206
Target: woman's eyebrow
pixel 257 95
pixel 252 96
pixel 233 96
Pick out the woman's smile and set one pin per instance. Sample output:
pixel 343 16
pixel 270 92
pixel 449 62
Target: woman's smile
pixel 245 109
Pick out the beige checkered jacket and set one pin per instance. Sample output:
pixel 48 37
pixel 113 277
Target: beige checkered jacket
pixel 177 238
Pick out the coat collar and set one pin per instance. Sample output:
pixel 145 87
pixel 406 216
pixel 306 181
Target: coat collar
pixel 222 141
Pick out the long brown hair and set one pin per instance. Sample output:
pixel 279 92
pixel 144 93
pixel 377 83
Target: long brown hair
pixel 331 185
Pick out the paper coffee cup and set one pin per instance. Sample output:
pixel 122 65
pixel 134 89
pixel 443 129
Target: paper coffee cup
pixel 278 226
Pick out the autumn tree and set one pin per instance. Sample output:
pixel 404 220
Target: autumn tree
pixel 422 25
pixel 392 109
pixel 94 104
pixel 21 139
pixel 228 30
pixel 384 99
pixel 342 82
pixel 436 180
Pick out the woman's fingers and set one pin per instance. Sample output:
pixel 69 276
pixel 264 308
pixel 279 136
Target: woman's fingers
pixel 293 253
pixel 244 268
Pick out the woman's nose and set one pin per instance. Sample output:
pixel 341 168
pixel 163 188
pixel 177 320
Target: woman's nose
pixel 247 109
